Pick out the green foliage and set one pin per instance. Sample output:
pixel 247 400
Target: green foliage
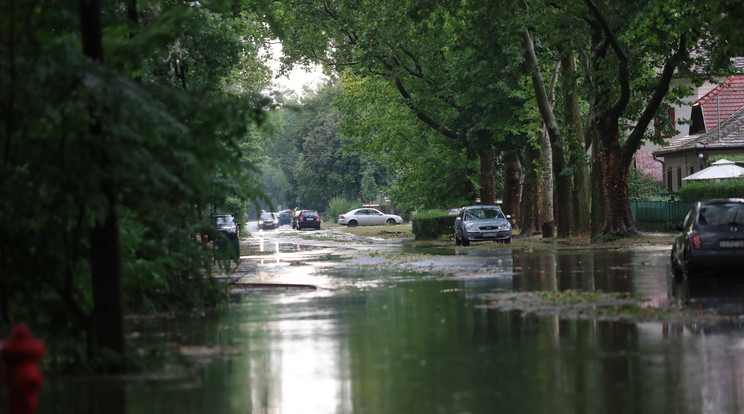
pixel 311 153
pixel 429 225
pixel 641 186
pixel 369 191
pixel 338 206
pixel 168 146
pixel 731 188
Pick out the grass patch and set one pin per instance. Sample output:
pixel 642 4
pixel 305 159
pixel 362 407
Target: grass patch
pixel 401 231
pixel 588 305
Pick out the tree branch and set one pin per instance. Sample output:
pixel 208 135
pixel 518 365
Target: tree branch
pixel 422 116
pixel 624 80
pixel 662 87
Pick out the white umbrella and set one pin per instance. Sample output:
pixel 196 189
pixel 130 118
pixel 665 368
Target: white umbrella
pixel 720 170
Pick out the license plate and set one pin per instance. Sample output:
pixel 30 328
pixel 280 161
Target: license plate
pixel 731 244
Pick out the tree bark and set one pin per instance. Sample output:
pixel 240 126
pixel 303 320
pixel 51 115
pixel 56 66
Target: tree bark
pixel 547 221
pixel 486 178
pixel 551 133
pixel 531 202
pixel 108 316
pixel 597 188
pixel 512 186
pixel 577 151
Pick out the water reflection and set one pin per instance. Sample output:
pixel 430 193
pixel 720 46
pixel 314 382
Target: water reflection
pixel 381 341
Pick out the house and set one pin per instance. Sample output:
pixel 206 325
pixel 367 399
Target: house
pixel 688 155
pixel 709 104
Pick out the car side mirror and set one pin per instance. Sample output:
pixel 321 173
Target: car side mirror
pixel 508 216
pixel 458 218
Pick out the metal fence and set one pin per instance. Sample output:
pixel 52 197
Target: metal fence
pixel 660 211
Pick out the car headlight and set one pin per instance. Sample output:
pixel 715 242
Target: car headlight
pixel 471 227
pixel 503 227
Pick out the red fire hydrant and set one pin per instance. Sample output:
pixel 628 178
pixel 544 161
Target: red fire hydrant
pixel 21 353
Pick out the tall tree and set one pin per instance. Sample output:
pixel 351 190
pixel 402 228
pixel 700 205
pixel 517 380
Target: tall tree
pixel 425 51
pixel 105 256
pixel 107 163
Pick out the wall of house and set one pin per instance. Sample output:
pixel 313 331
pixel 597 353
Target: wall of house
pixel 679 166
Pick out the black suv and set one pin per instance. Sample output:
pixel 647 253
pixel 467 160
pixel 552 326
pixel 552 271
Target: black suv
pixel 308 218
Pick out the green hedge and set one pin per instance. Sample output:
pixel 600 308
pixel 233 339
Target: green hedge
pixel 731 188
pixel 432 225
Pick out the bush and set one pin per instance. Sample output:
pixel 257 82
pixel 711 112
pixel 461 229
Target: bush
pixel 338 206
pixel 432 225
pixel 731 188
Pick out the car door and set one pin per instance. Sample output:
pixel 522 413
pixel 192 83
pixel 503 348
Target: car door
pixel 363 217
pixel 375 217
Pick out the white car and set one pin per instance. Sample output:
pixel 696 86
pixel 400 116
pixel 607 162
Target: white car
pixel 368 217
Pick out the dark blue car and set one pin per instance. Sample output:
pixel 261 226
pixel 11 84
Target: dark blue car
pixel 285 217
pixel 712 238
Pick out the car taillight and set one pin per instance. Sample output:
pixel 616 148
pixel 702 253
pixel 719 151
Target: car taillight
pixel 301 218
pixel 697 243
pixel 342 217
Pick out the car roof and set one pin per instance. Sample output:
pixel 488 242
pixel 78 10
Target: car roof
pixel 722 201
pixel 481 206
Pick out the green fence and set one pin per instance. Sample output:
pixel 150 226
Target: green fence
pixel 660 211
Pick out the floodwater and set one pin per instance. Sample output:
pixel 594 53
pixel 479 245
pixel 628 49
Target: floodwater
pixel 394 329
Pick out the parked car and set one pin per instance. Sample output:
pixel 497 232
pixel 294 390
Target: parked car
pixel 712 238
pixel 268 221
pixel 230 232
pixel 308 219
pixel 285 217
pixel 227 225
pixel 368 217
pixel 480 223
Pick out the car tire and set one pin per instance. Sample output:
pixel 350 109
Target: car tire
pixel 465 241
pixel 457 241
pixel 390 222
pixel 508 241
pixel 353 223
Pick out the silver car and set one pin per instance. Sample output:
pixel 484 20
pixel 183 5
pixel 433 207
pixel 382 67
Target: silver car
pixel 480 223
pixel 368 217
pixel 712 238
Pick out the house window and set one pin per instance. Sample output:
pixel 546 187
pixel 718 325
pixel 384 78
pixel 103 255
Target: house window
pixel 665 124
pixel 669 179
pixel 679 178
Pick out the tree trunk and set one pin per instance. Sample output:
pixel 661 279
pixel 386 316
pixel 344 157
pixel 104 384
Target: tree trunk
pixel 108 316
pixel 581 198
pixel 618 217
pixel 512 186
pixel 486 178
pixel 580 206
pixel 547 223
pixel 551 132
pixel 531 202
pixel 598 194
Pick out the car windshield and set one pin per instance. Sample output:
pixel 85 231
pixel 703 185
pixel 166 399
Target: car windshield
pixel 225 220
pixel 484 214
pixel 267 216
pixel 309 214
pixel 722 214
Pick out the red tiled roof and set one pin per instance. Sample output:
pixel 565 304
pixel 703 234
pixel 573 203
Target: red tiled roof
pixel 723 101
pixel 730 135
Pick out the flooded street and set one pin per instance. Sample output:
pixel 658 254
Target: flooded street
pixel 390 327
